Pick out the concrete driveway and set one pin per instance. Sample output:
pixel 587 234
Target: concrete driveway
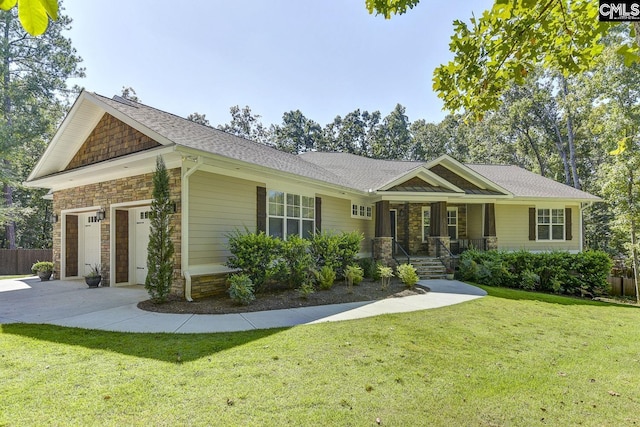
pixel 72 303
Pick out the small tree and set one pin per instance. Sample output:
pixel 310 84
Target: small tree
pixel 160 250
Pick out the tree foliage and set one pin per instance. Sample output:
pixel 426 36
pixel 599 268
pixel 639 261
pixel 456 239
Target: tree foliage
pixel 33 98
pixel 33 14
pixel 160 249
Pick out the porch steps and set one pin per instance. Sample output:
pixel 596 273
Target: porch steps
pixel 429 267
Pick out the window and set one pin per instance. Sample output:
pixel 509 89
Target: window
pixel 426 223
pixel 452 223
pixel 290 214
pixel 361 211
pixel 550 224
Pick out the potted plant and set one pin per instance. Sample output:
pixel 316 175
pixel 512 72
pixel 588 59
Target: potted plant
pixel 450 272
pixel 94 277
pixel 44 270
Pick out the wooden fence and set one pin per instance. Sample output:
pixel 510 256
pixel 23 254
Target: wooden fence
pixel 622 286
pixel 19 261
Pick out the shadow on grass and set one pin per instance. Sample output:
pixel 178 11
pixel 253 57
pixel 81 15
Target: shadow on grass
pixel 174 348
pixel 517 294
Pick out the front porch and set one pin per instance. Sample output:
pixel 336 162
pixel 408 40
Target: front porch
pixel 433 229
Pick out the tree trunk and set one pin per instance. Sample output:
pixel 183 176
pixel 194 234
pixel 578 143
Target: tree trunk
pixel 570 137
pixel 634 249
pixel 563 153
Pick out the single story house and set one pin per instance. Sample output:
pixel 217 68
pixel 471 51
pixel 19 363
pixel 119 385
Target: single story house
pixel 99 168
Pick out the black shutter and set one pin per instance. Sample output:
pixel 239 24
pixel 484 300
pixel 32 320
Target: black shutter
pixel 532 223
pixel 568 235
pixel 318 215
pixel 261 209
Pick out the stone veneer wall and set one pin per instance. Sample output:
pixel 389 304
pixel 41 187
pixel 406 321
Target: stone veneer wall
pixel 121 190
pixel 209 285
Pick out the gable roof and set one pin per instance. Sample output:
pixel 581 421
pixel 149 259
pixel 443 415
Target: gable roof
pixel 345 170
pixel 525 184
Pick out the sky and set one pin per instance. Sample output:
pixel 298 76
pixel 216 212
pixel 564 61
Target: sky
pixel 322 57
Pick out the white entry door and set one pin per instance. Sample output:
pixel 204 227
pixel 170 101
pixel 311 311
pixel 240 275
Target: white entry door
pixel 141 238
pixel 89 242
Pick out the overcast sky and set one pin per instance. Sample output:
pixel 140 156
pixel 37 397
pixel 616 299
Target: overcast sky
pixel 323 57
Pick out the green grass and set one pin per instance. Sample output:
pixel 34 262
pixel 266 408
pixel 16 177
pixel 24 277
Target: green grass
pixel 19 276
pixel 512 358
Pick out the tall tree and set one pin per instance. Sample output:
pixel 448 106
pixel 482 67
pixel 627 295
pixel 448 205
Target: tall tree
pixel 199 118
pixel 245 124
pixel 33 92
pixel 394 138
pixel 297 133
pixel 129 93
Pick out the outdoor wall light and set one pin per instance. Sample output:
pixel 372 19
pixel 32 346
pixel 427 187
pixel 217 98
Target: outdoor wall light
pixel 53 219
pixel 101 214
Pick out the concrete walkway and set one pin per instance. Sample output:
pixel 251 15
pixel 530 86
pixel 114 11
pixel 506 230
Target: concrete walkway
pixel 72 303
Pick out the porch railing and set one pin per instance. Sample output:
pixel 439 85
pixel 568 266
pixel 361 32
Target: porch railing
pixel 397 248
pixel 460 245
pixel 446 257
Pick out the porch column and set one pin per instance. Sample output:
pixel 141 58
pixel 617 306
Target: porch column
pixel 438 230
pixel 383 221
pixel 383 242
pixel 490 226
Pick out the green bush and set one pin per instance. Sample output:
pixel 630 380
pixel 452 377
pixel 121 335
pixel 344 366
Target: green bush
pixel 353 274
pixel 325 277
pixel 256 255
pixel 241 289
pixel 306 289
pixel 296 261
pixel 41 267
pixel 558 272
pixel 407 274
pixel 368 266
pixel 336 250
pixel 385 274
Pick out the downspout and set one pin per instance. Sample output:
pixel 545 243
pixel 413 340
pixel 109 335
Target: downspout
pixel 184 246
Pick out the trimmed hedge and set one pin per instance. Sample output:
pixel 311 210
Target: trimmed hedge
pixel 266 260
pixel 558 272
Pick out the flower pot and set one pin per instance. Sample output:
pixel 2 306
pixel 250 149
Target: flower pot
pixel 44 275
pixel 449 276
pixel 93 281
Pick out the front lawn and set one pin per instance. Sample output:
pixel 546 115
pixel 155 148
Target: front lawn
pixel 511 358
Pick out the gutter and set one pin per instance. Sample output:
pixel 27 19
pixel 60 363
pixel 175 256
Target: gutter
pixel 184 244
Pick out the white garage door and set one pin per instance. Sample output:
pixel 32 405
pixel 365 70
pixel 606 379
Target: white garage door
pixel 88 242
pixel 141 239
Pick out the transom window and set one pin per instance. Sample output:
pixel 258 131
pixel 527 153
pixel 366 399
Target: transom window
pixel 550 224
pixel 361 211
pixel 290 214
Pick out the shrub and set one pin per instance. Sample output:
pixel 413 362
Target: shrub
pixel 241 289
pixel 256 255
pixel 335 250
pixel 306 289
pixel 296 261
pixel 385 273
pixel 42 266
pixel 354 275
pixel 558 272
pixel 368 266
pixel 407 274
pixel 325 277
pixel 529 280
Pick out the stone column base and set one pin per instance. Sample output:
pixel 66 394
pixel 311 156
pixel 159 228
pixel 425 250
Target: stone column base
pixel 434 246
pixel 491 243
pixel 383 250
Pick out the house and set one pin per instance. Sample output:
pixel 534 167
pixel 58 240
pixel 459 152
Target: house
pixel 100 163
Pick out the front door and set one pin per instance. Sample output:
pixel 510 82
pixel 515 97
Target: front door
pixel 141 241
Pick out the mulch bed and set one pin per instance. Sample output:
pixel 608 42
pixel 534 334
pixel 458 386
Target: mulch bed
pixel 279 298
